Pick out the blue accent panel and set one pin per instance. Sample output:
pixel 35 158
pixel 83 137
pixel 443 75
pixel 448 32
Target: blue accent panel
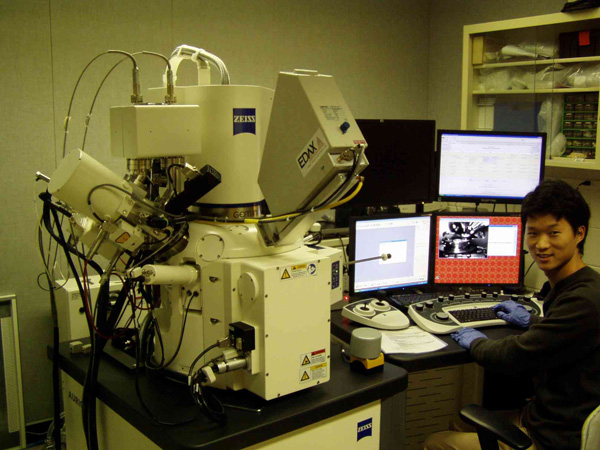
pixel 244 120
pixel 364 429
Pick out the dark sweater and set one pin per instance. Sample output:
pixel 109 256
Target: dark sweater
pixel 563 350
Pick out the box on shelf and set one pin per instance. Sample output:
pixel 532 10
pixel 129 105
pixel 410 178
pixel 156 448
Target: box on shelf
pixel 578 44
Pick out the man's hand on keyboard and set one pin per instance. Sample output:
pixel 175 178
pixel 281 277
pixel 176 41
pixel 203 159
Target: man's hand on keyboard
pixel 513 313
pixel 465 336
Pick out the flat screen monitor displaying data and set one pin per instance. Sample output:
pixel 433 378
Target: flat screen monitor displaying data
pixel 407 241
pixel 402 161
pixel 489 166
pixel 478 249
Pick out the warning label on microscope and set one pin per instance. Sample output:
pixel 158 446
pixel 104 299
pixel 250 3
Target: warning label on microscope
pixel 298 271
pixel 313 373
pixel 313 365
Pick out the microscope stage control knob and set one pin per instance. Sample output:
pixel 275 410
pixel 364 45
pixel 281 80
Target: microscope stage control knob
pixel 442 316
pixel 380 305
pixel 467 295
pixel 495 295
pixel 429 304
pixel 419 306
pixel 451 297
pixel 514 297
pixel 440 298
pixel 364 310
pixel 484 295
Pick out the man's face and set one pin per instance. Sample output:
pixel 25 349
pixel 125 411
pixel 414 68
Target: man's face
pixel 553 245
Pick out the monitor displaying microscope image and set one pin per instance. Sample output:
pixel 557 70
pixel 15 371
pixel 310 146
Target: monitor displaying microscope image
pixel 463 238
pixel 478 249
pixel 404 240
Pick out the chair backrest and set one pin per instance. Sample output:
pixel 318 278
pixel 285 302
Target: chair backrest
pixel 590 433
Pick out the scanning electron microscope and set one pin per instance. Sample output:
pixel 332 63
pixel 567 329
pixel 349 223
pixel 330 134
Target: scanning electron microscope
pixel 223 183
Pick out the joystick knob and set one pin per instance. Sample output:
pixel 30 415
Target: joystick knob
pixel 380 305
pixel 364 310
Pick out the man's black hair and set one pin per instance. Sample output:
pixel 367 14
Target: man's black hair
pixel 557 198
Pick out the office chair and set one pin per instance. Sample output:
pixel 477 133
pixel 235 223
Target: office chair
pixel 590 433
pixel 492 428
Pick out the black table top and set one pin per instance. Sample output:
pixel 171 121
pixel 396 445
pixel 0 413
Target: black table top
pixel 171 402
pixel 451 355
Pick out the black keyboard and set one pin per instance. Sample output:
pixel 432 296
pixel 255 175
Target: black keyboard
pixel 474 315
pixel 405 300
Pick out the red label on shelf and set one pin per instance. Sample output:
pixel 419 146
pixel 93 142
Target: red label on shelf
pixel 584 37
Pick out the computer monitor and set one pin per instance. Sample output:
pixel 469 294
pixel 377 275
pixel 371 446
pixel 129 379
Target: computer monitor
pixel 402 161
pixel 407 238
pixel 478 249
pixel 489 166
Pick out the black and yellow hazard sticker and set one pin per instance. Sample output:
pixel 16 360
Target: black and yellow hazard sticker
pixel 285 275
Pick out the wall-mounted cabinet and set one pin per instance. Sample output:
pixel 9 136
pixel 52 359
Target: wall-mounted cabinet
pixel 537 73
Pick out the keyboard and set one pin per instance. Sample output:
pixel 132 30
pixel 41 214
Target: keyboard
pixel 473 314
pixel 446 314
pixel 403 301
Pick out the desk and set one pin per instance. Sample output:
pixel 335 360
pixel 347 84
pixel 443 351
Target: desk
pixel 350 395
pixel 439 382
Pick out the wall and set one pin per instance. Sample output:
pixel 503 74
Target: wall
pixel 377 50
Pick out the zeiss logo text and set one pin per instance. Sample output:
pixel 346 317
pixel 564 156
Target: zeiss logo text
pixel 364 429
pixel 244 120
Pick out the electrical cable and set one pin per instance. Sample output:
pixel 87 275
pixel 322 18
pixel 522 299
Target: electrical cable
pixel 138 392
pixel 164 365
pixel 68 117
pixel 203 397
pixel 529 268
pixel 47 210
pixel 170 176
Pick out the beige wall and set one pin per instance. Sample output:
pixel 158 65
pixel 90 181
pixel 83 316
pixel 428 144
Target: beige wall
pixel 377 50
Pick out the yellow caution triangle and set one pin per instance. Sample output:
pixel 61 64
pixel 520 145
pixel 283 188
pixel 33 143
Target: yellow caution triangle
pixel 306 361
pixel 305 377
pixel 285 275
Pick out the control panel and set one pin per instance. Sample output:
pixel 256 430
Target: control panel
pixel 449 313
pixel 376 313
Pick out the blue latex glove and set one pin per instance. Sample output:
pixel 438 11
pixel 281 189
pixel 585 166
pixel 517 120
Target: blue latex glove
pixel 465 336
pixel 513 313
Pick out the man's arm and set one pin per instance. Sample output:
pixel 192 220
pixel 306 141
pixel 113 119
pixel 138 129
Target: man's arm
pixel 569 331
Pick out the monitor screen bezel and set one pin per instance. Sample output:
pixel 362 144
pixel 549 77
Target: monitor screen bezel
pixel 352 252
pixel 434 247
pixel 481 199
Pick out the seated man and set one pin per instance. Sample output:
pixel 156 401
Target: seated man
pixel 563 347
